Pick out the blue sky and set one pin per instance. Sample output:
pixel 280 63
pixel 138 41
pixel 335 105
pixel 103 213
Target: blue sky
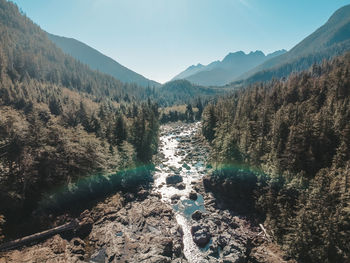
pixel 160 38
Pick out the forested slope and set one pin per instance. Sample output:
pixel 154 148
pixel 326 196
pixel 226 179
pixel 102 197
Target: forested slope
pixel 60 121
pixel 285 146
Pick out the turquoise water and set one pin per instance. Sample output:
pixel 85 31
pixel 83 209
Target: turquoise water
pixel 187 207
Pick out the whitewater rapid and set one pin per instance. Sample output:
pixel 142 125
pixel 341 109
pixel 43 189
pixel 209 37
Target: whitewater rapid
pixel 174 154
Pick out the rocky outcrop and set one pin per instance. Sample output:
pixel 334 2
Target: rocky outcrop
pixel 140 231
pixel 201 235
pixel 234 238
pixel 116 230
pixel 55 249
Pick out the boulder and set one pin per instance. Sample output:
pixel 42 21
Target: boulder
pixel 180 186
pixel 175 197
pixel 197 215
pixel 99 256
pixel 78 246
pixel 201 235
pixel 186 166
pixel 173 179
pixel 193 196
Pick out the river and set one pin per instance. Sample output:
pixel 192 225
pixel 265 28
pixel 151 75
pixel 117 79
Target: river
pixel 176 141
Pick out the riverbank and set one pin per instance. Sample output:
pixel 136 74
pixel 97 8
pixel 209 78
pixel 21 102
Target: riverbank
pixel 129 228
pixel 212 232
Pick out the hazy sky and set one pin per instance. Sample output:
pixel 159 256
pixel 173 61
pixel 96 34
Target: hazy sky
pixel 160 38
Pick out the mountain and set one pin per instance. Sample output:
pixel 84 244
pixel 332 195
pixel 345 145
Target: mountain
pixel 96 60
pixel 331 39
pixel 189 71
pixel 26 53
pixel 223 72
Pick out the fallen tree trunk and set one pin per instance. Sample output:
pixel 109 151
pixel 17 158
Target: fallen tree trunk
pixel 39 236
pixel 267 236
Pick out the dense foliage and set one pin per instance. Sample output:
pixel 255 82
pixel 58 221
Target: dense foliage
pixel 186 113
pixel 59 120
pixel 182 91
pixel 296 134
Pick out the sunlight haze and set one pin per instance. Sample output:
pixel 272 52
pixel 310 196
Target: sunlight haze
pixel 160 38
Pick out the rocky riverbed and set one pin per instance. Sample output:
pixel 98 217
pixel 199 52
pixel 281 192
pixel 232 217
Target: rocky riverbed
pixel 176 220
pixel 211 233
pixel 126 228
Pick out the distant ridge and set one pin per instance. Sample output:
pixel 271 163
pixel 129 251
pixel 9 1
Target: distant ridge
pixel 223 72
pixel 331 39
pixel 97 61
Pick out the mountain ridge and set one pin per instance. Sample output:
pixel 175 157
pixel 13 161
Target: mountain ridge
pixel 98 61
pixel 222 72
pixel 329 40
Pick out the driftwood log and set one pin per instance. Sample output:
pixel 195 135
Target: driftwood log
pixel 39 236
pixel 267 236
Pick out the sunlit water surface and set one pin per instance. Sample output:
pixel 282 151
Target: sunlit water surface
pixel 193 171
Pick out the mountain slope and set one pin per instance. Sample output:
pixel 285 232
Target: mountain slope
pixel 331 39
pixel 96 60
pixel 189 71
pixel 225 71
pixel 29 54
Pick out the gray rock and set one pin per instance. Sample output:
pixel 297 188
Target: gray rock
pixel 197 215
pixel 99 256
pixel 180 186
pixel 193 196
pixel 201 235
pixel 173 179
pixel 175 197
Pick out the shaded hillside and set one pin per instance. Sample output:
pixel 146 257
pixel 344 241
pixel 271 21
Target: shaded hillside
pixel 189 71
pixel 34 56
pixel 183 91
pixel 97 61
pixel 288 143
pixel 332 39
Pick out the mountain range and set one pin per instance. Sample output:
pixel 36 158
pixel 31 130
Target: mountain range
pixel 330 40
pixel 219 73
pixel 238 68
pixel 98 61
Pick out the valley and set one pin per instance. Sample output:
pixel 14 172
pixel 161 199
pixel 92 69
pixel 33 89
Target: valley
pixel 246 159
